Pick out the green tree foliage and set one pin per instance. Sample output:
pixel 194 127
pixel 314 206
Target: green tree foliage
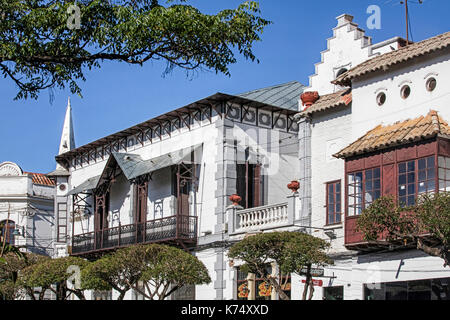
pixel 293 252
pixel 425 225
pixel 161 269
pixel 41 45
pixel 53 275
pixel 170 269
pixel 10 267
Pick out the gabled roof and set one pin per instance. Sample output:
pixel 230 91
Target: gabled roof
pixel 329 101
pixel 41 179
pixel 383 62
pixel 284 95
pixel 133 166
pixel 87 185
pixel 399 133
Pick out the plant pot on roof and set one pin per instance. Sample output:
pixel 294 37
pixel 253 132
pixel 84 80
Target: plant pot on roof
pixel 309 98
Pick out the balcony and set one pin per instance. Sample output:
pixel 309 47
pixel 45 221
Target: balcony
pixel 274 216
pixel 178 229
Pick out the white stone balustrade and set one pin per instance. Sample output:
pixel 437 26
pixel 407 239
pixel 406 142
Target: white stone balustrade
pixel 262 217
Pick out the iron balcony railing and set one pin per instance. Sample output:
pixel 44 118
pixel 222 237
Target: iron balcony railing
pixel 172 228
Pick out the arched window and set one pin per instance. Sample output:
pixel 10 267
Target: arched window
pixel 341 72
pixel 7 228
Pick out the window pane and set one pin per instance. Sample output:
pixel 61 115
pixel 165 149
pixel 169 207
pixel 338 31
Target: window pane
pixel 377 173
pixel 440 289
pixel 396 291
pixel 430 174
pixel 402 179
pixel 422 164
pixel 333 293
pixel 430 162
pixel 402 167
pixel 411 166
pixel 374 291
pixel 419 290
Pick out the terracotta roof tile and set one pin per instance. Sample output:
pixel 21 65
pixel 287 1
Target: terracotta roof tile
pixel 41 179
pixel 386 60
pixel 399 133
pixel 340 98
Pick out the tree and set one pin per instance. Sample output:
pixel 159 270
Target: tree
pixel 425 226
pixel 293 252
pixel 49 43
pixel 119 270
pixel 11 264
pixel 169 269
pixel 162 270
pixel 53 275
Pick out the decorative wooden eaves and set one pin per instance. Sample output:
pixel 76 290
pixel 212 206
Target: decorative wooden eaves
pixel 218 104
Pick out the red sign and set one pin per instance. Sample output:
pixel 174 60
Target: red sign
pixel 316 283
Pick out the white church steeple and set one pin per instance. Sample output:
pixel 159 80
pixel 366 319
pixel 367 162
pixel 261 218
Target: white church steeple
pixel 67 142
pixel 67 137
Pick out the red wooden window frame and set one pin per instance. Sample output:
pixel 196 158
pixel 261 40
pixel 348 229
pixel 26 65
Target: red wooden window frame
pixel 336 199
pixel 370 184
pixel 413 175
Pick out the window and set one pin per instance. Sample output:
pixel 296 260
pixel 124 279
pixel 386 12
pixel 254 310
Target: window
pixel 62 222
pixel 405 92
pixel 381 98
pixel 364 188
pixel 242 285
pixel 334 207
pixel 414 178
pixel 260 288
pixel 248 184
pixel 333 293
pixel 7 228
pixel 341 72
pixel 444 173
pixel 429 289
pixel 431 84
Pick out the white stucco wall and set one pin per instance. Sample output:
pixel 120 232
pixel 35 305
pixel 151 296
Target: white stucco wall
pixel 366 112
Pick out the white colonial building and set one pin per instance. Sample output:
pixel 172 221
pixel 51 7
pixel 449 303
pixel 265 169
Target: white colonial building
pixel 380 128
pixel 26 209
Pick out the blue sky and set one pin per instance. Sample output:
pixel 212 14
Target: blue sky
pixel 118 96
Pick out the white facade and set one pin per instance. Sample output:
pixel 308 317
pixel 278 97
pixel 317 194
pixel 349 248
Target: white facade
pixel 29 207
pixel 338 127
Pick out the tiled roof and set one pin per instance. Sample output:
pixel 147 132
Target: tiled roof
pixel 340 98
pixel 382 137
pixel 284 96
pixel 383 62
pixel 41 179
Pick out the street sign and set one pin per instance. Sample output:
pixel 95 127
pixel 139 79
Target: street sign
pixel 315 272
pixel 316 283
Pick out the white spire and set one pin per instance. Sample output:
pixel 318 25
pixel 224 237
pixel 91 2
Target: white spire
pixel 67 137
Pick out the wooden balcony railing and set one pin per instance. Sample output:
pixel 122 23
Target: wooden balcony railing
pixel 174 228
